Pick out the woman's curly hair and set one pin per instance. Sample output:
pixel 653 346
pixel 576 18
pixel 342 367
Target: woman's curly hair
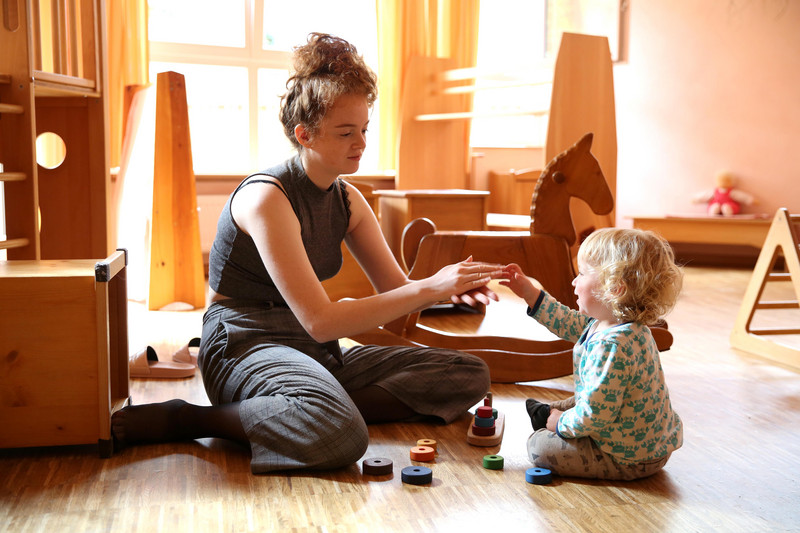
pixel 325 68
pixel 636 271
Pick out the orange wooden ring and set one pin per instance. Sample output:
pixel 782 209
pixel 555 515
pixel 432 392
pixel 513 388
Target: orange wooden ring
pixel 422 453
pixel 430 443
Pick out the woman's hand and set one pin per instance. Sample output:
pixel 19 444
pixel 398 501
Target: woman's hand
pixel 465 282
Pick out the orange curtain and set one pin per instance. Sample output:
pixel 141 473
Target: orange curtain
pixel 438 28
pixel 128 63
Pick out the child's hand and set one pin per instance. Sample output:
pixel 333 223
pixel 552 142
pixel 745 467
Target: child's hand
pixel 516 280
pixel 552 420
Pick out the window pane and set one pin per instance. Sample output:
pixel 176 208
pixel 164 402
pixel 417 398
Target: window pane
pixel 508 122
pixel 208 22
pixel 592 17
pixel 286 25
pixel 273 146
pixel 218 116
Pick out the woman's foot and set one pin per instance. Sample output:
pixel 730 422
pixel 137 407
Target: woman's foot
pixel 176 420
pixel 149 423
pixel 538 412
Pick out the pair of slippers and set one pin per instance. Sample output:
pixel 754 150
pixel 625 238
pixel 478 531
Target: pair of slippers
pixel 146 364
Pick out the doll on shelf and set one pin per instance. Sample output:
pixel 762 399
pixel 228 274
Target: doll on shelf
pixel 725 199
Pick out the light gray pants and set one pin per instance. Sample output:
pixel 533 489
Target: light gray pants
pixel 295 406
pixel 581 457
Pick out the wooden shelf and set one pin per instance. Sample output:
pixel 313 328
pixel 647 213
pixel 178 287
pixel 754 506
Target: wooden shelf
pixel 737 230
pixel 716 240
pixel 51 84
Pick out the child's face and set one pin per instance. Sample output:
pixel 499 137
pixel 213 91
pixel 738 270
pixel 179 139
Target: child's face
pixel 586 284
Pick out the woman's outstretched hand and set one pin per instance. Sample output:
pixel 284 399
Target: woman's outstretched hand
pixel 466 282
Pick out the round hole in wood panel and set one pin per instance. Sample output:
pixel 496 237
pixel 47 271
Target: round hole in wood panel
pixel 50 150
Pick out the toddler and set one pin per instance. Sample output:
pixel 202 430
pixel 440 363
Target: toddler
pixel 620 423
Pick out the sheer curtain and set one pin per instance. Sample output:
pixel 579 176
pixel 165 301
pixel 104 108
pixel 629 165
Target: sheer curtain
pixel 130 111
pixel 128 62
pixel 439 28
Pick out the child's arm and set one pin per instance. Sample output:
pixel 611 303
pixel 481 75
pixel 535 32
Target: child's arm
pixel 561 320
pixel 516 280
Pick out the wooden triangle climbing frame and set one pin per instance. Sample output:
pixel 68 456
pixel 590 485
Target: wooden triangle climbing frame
pixel 781 241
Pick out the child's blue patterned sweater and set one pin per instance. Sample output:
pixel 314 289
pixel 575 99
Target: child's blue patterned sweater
pixel 621 397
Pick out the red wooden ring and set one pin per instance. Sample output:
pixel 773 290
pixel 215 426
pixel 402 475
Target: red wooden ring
pixel 484 411
pixel 483 432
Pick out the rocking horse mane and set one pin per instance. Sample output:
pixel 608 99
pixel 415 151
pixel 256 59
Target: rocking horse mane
pixel 574 172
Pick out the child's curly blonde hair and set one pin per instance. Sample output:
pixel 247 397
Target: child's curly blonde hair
pixel 636 271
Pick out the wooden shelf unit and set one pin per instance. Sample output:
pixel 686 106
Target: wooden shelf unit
pixel 52 79
pixel 63 311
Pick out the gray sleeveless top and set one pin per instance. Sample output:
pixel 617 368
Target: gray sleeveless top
pixel 235 269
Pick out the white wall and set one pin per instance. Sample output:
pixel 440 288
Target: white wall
pixel 708 85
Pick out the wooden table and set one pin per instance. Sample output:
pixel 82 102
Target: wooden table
pixel 64 347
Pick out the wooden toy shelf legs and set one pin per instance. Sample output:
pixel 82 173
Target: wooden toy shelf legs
pixel 63 351
pixel 782 237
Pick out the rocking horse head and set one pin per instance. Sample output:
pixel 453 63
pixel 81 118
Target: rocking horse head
pixel 573 173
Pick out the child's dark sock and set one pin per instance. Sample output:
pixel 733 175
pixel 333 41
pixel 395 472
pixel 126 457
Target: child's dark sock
pixel 538 412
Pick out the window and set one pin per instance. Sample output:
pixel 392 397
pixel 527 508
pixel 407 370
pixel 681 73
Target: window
pixel 235 56
pixel 522 36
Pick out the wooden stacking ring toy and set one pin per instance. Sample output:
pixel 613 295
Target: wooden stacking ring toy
pixel 416 475
pixel 538 476
pixel 493 462
pixel 482 432
pixel 430 443
pixel 422 453
pixel 484 411
pixel 484 422
pixel 376 466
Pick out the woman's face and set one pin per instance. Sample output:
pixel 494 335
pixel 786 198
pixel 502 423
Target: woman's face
pixel 341 139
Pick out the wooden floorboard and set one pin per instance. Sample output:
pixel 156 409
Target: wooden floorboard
pixel 737 470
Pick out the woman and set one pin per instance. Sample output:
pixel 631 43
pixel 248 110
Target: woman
pixel 270 358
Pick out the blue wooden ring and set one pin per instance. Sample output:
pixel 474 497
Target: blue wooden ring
pixel 538 476
pixel 416 475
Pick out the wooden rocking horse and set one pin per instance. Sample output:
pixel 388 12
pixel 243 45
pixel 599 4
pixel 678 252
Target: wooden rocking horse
pixel 543 254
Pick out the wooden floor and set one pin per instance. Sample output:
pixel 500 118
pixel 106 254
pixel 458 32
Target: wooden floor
pixel 739 468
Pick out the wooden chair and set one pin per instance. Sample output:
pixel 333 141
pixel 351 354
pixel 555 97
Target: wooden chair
pixel 543 253
pixel 783 239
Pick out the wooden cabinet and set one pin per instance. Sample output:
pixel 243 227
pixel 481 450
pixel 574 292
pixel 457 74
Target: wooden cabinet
pixel 449 209
pixel 63 351
pixel 53 82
